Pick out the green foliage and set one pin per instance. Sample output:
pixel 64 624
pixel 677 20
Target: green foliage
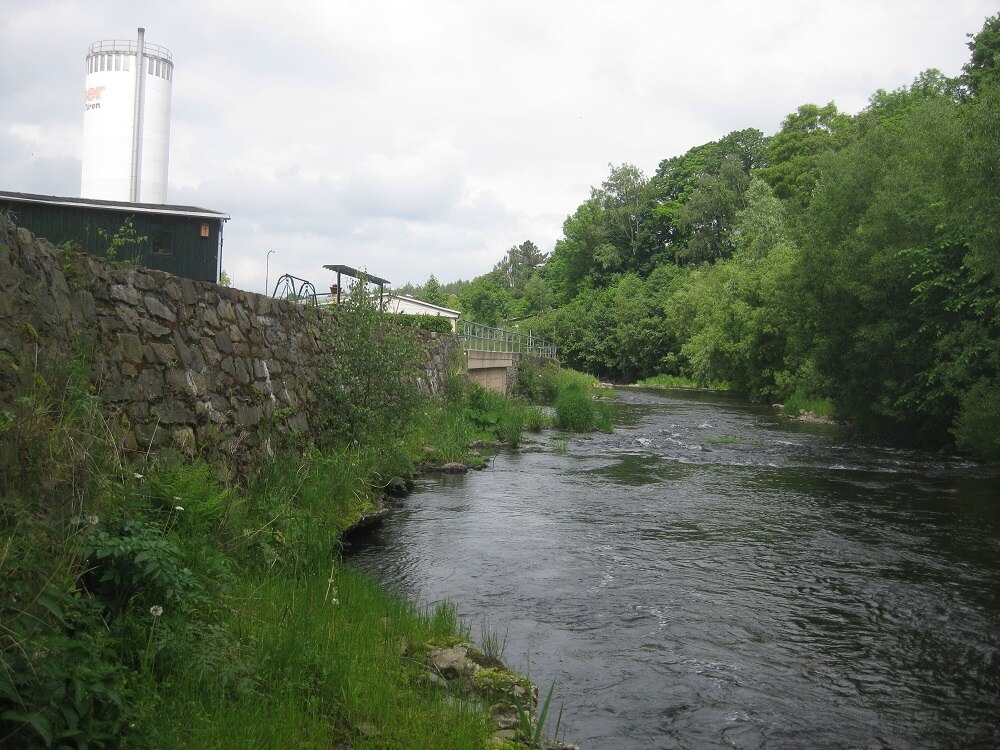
pixel 134 563
pixel 676 381
pixel 486 301
pixel 573 396
pixel 801 402
pixel 125 244
pixel 532 731
pixel 978 417
pixel 190 492
pixel 370 385
pixel 437 323
pixel 794 154
pixel 527 381
pixel 983 68
pixel 495 415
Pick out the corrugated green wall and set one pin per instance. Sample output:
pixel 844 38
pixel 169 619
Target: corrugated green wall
pixel 192 256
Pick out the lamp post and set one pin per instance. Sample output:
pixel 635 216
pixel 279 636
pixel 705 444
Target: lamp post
pixel 267 270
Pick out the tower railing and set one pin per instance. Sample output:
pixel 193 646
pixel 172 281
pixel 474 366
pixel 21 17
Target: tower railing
pixel 483 338
pixel 130 46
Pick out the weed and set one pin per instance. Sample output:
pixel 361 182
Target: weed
pixel 492 643
pixel 532 731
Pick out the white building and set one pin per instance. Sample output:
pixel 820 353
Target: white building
pixel 401 303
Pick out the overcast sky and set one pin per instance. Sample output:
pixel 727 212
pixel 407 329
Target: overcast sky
pixel 419 137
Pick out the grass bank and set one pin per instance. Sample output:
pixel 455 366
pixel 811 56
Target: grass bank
pixel 149 605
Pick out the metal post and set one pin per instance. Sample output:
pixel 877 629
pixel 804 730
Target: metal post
pixel 267 270
pixel 137 117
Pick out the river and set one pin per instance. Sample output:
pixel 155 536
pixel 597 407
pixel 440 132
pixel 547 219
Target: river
pixel 711 575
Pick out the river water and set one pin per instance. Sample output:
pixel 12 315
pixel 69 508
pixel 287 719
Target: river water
pixel 713 576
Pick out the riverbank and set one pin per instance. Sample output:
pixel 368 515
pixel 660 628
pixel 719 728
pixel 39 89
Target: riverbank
pixel 711 574
pixel 150 604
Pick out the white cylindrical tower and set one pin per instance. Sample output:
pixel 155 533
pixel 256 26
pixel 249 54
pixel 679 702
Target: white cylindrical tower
pixel 126 121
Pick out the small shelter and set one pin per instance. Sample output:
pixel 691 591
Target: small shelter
pixel 337 290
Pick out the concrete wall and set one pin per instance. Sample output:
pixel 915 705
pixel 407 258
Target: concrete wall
pixel 177 363
pixel 497 371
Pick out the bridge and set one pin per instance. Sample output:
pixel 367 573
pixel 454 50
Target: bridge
pixel 494 353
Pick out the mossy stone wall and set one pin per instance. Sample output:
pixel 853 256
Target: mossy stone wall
pixel 178 364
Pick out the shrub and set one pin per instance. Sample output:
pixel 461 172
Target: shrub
pixel 976 425
pixel 370 384
pixel 436 323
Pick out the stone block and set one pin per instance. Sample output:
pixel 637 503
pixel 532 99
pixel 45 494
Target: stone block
pixel 248 416
pixel 225 310
pixel 157 353
pixel 153 328
pixel 172 412
pixel 160 310
pixel 127 294
pixel 144 280
pixel 223 342
pixel 130 347
pixel 149 384
pixel 189 293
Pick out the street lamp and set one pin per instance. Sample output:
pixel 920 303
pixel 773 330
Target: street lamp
pixel 267 269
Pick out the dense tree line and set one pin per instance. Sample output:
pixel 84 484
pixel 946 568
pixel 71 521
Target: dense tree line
pixel 849 257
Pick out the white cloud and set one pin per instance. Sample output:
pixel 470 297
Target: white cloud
pixel 418 138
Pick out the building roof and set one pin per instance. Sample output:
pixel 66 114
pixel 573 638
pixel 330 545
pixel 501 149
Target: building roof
pixel 142 208
pixel 444 311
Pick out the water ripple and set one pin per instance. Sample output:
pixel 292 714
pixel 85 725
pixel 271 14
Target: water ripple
pixel 710 576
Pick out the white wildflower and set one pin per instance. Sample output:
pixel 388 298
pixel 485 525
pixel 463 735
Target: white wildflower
pixel 137 475
pixel 156 610
pixel 92 520
pixel 179 508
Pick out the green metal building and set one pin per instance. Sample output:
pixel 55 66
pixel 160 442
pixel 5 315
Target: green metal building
pixel 183 240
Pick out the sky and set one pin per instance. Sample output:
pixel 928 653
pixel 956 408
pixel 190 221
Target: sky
pixel 412 138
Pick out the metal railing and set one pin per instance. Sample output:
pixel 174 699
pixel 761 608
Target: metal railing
pixel 295 289
pixel 130 46
pixel 481 338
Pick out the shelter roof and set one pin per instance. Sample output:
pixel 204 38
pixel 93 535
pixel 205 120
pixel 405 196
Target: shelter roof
pixel 355 273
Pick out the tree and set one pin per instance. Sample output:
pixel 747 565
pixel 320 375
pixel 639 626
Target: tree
pixel 983 67
pixel 370 384
pixel 486 301
pixel 668 222
pixel 706 217
pixel 793 154
pixel 518 265
pixel 884 266
pixel 622 197
pixel 432 292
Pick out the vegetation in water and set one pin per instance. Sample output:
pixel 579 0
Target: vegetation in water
pixel 678 381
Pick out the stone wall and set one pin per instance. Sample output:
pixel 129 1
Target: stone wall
pixel 176 363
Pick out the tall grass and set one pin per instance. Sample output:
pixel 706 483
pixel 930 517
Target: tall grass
pixel 677 381
pixel 573 396
pixel 802 403
pixel 152 605
pixel 321 670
